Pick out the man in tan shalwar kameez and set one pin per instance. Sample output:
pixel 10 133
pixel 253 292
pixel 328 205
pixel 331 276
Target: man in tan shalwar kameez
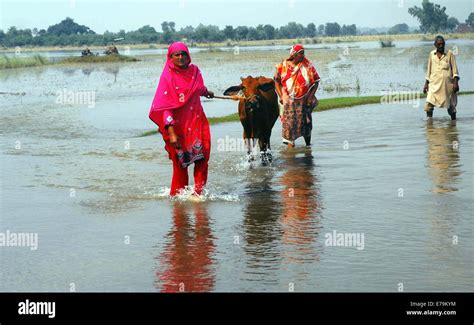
pixel 441 80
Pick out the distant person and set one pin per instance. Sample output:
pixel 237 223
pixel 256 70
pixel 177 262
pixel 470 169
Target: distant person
pixel 86 52
pixel 442 80
pixel 296 82
pixel 178 112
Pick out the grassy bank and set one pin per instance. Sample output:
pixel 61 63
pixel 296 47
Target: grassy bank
pixel 99 59
pixel 324 105
pixel 14 62
pixel 290 41
pixel 38 60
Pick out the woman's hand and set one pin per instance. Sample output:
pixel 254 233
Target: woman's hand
pixel 311 101
pixel 210 94
pixel 174 140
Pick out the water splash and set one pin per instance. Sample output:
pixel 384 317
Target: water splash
pixel 187 194
pixel 254 160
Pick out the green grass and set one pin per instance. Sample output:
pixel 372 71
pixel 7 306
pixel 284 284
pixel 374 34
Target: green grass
pixel 324 105
pixel 99 59
pixel 16 62
pixel 223 119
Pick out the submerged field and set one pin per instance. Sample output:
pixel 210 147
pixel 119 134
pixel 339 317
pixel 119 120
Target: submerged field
pixel 377 170
pixel 314 40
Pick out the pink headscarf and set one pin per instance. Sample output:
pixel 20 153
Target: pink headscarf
pixel 176 85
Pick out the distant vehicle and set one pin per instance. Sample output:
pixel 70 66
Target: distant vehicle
pixel 111 50
pixel 87 52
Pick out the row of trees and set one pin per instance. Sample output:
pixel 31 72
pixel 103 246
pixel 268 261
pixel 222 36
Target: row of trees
pixel 68 32
pixel 432 18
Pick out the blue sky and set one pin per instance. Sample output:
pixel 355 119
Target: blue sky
pixel 101 15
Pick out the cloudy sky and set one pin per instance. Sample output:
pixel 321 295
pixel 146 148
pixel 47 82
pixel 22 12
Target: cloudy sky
pixel 113 15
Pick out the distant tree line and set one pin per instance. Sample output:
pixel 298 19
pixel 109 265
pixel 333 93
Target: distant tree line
pixel 432 18
pixel 68 32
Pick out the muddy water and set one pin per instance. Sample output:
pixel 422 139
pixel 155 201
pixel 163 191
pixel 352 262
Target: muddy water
pixel 96 192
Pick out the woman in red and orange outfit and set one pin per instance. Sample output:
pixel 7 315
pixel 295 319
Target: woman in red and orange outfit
pixel 296 82
pixel 178 112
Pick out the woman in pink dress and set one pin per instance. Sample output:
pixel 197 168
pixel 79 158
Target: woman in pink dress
pixel 178 112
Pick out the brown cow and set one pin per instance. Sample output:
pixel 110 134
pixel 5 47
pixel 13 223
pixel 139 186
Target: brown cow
pixel 258 112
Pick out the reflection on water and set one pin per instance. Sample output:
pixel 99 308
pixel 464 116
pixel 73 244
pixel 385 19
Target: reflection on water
pixel 88 69
pixel 186 263
pixel 260 222
pixel 114 70
pixel 281 216
pixel 443 155
pixel 301 208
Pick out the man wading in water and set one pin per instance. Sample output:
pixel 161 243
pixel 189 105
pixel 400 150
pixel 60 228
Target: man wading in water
pixel 441 80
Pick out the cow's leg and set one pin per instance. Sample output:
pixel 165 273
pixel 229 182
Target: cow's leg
pixel 247 142
pixel 247 145
pixel 265 155
pixel 268 150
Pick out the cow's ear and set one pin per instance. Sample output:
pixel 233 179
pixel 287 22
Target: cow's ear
pixel 267 86
pixel 234 90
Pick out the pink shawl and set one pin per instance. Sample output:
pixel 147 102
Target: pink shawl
pixel 176 86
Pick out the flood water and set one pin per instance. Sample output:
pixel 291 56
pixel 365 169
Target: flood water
pixel 81 177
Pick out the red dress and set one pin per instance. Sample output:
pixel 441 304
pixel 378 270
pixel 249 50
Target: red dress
pixel 177 103
pixel 192 128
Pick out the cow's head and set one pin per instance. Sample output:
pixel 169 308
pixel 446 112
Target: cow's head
pixel 251 89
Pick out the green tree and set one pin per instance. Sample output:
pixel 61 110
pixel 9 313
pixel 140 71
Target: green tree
pixel 321 29
pixel 215 34
pixel 470 19
pixel 202 33
pixel 349 29
pixel 310 30
pixel 69 27
pixel 241 32
pixel 252 34
pixel 432 17
pixel 399 29
pixel 295 29
pixel 260 32
pixel 187 32
pixel 452 24
pixel 332 29
pixel 229 32
pixel 270 31
pixel 169 32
